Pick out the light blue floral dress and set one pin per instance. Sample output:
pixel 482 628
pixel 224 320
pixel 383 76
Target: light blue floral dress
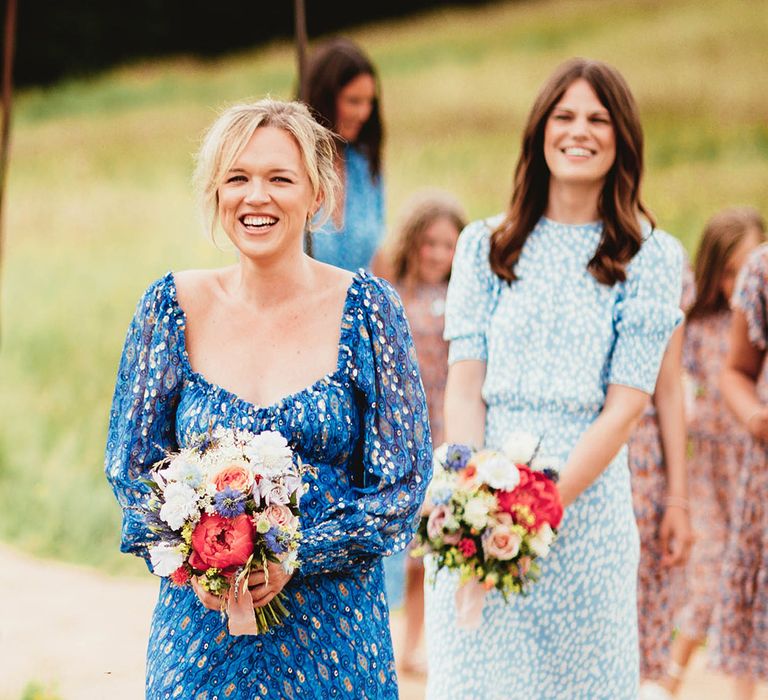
pixel 352 246
pixel 553 341
pixel 364 427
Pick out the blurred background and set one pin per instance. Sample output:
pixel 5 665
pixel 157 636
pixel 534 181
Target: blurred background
pixel 111 101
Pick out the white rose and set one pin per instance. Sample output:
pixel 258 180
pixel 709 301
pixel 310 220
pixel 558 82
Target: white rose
pixel 165 558
pixel 476 510
pixel 180 505
pixel 542 540
pixel 520 446
pixel 272 493
pixel 498 472
pixel 539 463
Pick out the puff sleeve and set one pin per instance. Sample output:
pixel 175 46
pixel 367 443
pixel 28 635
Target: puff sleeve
pixel 395 445
pixel 472 295
pixel 750 296
pixel 646 312
pixel 142 420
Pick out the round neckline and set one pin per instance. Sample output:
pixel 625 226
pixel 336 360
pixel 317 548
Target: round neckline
pixel 210 387
pixel 588 225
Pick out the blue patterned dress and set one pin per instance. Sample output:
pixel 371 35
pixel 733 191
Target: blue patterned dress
pixel 364 427
pixel 553 341
pixel 352 246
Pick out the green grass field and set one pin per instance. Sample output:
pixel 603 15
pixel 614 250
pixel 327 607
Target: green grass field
pixel 99 201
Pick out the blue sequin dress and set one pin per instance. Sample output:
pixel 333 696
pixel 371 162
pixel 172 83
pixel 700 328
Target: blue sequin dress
pixel 364 427
pixel 352 246
pixel 553 341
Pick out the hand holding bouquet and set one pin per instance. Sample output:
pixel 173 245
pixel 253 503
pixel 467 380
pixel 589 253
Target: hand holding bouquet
pixel 490 515
pixel 222 508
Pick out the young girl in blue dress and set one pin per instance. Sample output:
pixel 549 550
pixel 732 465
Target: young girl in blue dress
pixel 558 314
pixel 277 341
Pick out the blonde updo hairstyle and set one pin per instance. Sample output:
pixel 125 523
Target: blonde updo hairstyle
pixel 230 133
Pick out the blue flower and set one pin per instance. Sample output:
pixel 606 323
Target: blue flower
pixel 229 503
pixel 457 456
pixel 275 541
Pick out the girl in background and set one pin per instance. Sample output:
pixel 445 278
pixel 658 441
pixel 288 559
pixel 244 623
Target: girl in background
pixel 420 266
pixel 343 94
pixel 717 441
pixel 660 499
pixel 740 624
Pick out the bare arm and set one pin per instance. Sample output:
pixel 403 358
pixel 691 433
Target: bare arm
pixel 602 440
pixel 738 381
pixel 675 532
pixel 464 406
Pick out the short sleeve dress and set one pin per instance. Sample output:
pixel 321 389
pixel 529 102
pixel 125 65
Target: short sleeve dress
pixel 553 341
pixel 352 246
pixel 740 620
pixel 364 427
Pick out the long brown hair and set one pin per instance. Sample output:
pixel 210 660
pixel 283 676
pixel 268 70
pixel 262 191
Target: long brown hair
pixel 721 236
pixel 333 66
pixel 619 205
pixel 419 214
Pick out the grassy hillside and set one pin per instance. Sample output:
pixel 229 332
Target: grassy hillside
pixel 99 200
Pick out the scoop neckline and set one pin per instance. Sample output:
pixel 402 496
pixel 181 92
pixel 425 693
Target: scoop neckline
pixel 212 388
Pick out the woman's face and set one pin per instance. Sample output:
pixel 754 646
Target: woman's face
pixel 736 261
pixel 579 138
pixel 435 252
pixel 266 196
pixel 353 106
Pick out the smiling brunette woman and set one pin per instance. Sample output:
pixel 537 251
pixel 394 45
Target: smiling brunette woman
pixel 558 313
pixel 282 342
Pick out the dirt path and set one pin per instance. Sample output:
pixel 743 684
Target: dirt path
pixel 83 634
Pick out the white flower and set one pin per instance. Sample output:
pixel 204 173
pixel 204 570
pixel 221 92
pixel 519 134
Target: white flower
pixel 520 446
pixel 270 451
pixel 272 493
pixel 498 472
pixel 438 457
pixel 476 510
pixel 289 561
pixel 184 469
pixel 542 540
pixel 180 505
pixel 165 558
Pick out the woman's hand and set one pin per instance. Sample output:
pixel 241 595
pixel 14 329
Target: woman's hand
pixel 209 600
pixel 262 591
pixel 757 424
pixel 675 535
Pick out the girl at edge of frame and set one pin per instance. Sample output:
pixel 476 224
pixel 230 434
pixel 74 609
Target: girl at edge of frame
pixel 343 94
pixel 740 620
pixel 558 314
pixel 227 347
pixel 419 265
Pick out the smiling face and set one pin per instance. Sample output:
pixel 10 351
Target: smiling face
pixel 354 104
pixel 266 196
pixel 579 138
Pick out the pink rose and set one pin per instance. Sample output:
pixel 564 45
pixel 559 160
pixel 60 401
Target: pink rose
pixel 501 542
pixel 437 520
pixel 234 476
pixel 280 517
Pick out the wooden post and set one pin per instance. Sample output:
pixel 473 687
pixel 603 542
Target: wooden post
pixel 300 25
pixel 9 36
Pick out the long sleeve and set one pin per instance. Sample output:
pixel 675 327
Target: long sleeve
pixel 396 446
pixel 142 419
pixel 472 294
pixel 647 312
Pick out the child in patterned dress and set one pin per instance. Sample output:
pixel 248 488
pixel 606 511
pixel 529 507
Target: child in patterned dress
pixel 740 623
pixel 716 439
pixel 420 266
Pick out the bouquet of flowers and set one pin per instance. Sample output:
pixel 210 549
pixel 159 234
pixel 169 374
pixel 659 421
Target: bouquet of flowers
pixel 222 507
pixel 490 515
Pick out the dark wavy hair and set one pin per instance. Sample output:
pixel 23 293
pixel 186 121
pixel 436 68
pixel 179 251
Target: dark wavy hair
pixel 722 235
pixel 619 206
pixel 331 67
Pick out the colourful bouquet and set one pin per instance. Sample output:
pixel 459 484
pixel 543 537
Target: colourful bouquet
pixel 490 515
pixel 222 507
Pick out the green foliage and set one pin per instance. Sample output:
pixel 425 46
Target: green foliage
pixel 99 201
pixel 38 691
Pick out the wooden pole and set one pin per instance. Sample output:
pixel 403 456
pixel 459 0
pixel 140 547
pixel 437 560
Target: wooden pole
pixel 7 96
pixel 300 25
